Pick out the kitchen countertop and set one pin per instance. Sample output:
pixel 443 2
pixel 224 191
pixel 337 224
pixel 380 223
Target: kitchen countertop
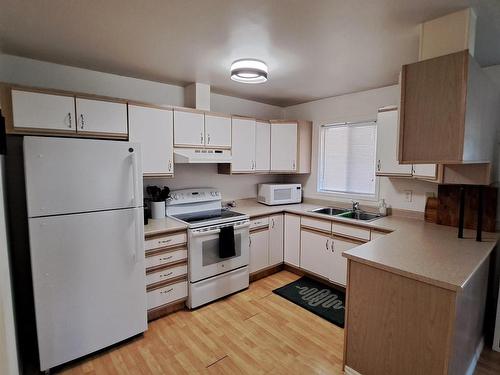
pixel 416 249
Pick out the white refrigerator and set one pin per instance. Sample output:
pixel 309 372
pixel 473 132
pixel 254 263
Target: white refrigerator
pixel 86 233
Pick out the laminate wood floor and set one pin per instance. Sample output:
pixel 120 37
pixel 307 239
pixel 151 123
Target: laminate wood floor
pixel 489 363
pixel 252 332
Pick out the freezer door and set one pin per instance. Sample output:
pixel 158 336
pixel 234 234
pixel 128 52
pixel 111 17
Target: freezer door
pixel 89 282
pixel 66 176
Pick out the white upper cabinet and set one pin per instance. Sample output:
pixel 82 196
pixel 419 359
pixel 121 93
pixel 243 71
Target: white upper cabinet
pixel 276 239
pixel 387 150
pixel 387 145
pixel 262 146
pixel 189 128
pixel 97 116
pixel 43 111
pixel 217 131
pixel 243 147
pixel 153 128
pixel 425 171
pixel 283 146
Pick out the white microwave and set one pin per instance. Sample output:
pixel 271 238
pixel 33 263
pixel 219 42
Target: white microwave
pixel 274 194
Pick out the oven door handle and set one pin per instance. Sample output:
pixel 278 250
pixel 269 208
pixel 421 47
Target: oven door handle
pixel 214 231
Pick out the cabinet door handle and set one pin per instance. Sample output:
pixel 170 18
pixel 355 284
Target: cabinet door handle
pixel 69 118
pixel 378 165
pixel 82 121
pixel 167 258
pixel 166 291
pixel 208 138
pixel 333 246
pixel 326 245
pixel 166 274
pixel 165 241
pixel 201 137
pixel 272 221
pixel 293 165
pixel 170 165
pixel 249 241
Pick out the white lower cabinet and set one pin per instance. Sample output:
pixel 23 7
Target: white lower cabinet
pixel 338 264
pixel 167 294
pixel 276 240
pixel 291 234
pixel 315 252
pixel 259 250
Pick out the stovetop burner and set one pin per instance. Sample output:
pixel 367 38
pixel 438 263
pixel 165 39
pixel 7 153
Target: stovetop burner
pixel 194 218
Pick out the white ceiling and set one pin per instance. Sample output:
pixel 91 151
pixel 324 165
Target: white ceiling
pixel 314 48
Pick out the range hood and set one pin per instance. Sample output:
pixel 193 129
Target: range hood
pixel 201 155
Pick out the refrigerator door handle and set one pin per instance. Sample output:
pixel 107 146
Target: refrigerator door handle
pixel 135 171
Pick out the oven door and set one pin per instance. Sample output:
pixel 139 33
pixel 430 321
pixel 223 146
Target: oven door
pixel 204 260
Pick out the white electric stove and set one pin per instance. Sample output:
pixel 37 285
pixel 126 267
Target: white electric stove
pixel 210 276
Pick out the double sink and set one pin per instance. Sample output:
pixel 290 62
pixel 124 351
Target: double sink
pixel 345 213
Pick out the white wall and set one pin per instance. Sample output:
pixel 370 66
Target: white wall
pixel 8 353
pixel 494 73
pixel 30 72
pixel 23 71
pixel 360 106
pixel 205 175
pixel 243 107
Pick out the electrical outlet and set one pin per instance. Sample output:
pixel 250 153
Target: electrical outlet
pixel 408 195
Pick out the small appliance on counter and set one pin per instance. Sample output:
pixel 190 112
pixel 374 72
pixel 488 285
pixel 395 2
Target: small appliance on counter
pixel 275 194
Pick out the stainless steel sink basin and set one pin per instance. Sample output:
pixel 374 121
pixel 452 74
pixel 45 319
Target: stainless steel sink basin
pixel 348 214
pixel 330 211
pixel 364 216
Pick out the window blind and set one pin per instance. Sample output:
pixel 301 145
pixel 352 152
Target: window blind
pixel 347 163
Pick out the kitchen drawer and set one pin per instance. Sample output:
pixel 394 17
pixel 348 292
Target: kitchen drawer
pixel 351 231
pixel 166 274
pixel 165 241
pixel 322 225
pixel 166 294
pixel 259 223
pixel 160 259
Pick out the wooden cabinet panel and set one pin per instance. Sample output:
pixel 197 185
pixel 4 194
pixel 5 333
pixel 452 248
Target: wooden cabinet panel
pixel 153 128
pixel 315 252
pixel 259 250
pixel 243 146
pixel 387 145
pixel 276 239
pixel 189 128
pixel 284 147
pixel 217 131
pixel 43 111
pixel 97 116
pixel 291 245
pixel 262 146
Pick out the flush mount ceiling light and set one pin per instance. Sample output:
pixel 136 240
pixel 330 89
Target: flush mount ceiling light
pixel 249 71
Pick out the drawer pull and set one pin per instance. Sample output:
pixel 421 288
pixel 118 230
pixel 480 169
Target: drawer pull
pixel 165 241
pixel 166 291
pixel 166 274
pixel 167 258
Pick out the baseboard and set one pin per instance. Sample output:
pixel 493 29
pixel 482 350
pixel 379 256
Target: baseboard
pixel 477 354
pixel 350 371
pixel 266 272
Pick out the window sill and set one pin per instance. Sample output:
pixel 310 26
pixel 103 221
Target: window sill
pixel 348 196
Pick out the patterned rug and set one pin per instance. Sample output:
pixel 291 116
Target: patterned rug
pixel 320 299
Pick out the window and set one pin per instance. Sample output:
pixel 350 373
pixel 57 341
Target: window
pixel 347 159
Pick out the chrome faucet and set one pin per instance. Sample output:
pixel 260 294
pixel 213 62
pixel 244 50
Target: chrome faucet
pixel 355 206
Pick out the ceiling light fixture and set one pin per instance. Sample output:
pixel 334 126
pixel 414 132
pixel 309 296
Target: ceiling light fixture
pixel 249 71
